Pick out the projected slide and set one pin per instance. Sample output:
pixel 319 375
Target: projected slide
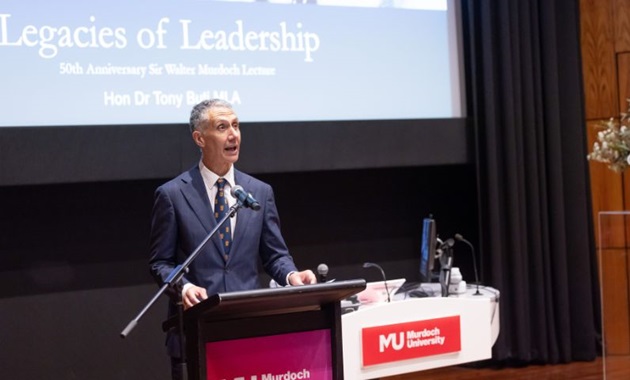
pixel 67 63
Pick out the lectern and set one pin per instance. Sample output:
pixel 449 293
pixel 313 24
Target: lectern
pixel 291 332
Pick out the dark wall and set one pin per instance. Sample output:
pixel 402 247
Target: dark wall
pixel 74 267
pixel 46 155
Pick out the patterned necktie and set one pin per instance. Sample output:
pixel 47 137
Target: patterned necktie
pixel 221 208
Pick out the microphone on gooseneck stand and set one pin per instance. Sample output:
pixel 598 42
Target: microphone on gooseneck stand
pixel 322 273
pixel 461 238
pixel 373 265
pixel 245 198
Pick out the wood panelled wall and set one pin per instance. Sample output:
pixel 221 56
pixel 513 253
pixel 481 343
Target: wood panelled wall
pixel 605 39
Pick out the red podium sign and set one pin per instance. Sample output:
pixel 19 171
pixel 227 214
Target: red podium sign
pixel 390 343
pixel 292 356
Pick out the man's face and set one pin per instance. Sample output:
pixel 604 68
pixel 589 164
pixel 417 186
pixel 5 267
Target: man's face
pixel 220 140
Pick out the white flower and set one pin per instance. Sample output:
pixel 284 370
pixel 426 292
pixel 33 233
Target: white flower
pixel 612 142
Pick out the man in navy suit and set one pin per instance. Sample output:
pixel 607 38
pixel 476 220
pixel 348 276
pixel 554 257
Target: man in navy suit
pixel 184 213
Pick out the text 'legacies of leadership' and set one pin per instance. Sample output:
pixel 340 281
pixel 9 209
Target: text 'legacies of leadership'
pixel 51 39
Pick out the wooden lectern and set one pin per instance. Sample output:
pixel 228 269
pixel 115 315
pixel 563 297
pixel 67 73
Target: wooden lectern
pixel 261 326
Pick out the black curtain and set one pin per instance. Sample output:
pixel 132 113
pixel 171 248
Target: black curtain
pixel 525 103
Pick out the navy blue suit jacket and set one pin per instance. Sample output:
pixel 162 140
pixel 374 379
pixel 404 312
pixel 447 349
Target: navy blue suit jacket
pixel 182 218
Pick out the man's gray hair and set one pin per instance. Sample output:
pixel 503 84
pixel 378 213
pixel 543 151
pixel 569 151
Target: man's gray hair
pixel 201 112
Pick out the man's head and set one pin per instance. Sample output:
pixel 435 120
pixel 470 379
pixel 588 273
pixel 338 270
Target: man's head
pixel 215 130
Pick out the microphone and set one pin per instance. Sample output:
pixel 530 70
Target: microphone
pixel 373 265
pixel 245 198
pixel 461 238
pixel 322 272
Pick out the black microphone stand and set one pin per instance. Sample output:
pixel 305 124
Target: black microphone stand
pixel 446 263
pixel 472 249
pixel 173 281
pixel 373 265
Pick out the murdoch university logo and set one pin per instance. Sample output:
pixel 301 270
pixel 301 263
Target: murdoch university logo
pixel 407 340
pixel 411 339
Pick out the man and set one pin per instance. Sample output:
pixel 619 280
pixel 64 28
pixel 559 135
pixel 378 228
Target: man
pixel 188 207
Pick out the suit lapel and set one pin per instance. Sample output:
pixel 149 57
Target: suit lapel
pixel 244 215
pixel 194 190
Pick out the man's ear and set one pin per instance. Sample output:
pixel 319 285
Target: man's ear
pixel 198 138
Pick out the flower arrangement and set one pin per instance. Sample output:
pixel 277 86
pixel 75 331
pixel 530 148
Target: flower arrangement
pixel 613 144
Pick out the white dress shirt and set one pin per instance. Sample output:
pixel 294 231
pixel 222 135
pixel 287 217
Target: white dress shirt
pixel 210 179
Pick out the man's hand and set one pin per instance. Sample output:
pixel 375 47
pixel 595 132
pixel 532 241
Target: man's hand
pixel 302 278
pixel 193 295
